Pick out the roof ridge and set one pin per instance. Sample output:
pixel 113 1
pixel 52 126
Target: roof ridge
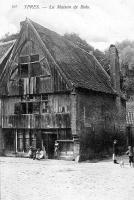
pixel 31 21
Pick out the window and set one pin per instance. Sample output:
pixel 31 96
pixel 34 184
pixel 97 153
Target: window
pixel 27 108
pixel 29 65
pixel 20 108
pixel 23 66
pixel 23 108
pixel 44 97
pixel 33 107
pixel 30 108
pixel 34 58
pixel 45 105
pixel 24 59
pixel 35 69
pixel 24 70
pixel 17 108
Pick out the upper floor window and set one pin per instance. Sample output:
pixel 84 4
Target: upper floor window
pixel 29 66
pixel 45 104
pixel 27 108
pixel 24 70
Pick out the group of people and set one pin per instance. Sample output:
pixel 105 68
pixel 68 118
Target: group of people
pixel 36 153
pixel 41 153
pixel 129 152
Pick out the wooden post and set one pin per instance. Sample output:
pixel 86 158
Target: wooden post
pixel 16 142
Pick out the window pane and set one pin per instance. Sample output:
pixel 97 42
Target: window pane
pixel 23 108
pixel 35 69
pixel 24 59
pixel 24 70
pixel 30 108
pixel 34 58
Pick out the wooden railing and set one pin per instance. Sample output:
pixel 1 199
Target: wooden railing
pixel 31 121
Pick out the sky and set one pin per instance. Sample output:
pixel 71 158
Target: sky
pixel 100 22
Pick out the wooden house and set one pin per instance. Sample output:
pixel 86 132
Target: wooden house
pixel 52 90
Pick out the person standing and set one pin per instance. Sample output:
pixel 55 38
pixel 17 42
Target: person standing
pixel 115 152
pixel 34 153
pixel 56 150
pixel 30 153
pixel 130 153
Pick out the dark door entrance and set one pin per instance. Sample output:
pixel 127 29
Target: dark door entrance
pixel 48 140
pixel 9 138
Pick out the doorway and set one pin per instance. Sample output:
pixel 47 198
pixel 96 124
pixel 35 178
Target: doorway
pixel 48 140
pixel 9 140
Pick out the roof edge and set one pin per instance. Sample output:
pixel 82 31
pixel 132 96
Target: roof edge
pixel 5 55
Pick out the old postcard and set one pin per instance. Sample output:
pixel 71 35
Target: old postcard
pixel 66 99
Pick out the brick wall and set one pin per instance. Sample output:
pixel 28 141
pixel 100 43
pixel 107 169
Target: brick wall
pixel 98 122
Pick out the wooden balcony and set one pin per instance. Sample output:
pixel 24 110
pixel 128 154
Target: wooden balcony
pixel 33 121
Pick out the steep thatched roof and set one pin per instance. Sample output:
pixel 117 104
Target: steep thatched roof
pixel 5 50
pixel 81 68
pixel 4 47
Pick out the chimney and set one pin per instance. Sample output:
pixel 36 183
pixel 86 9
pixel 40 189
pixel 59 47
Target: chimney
pixel 114 68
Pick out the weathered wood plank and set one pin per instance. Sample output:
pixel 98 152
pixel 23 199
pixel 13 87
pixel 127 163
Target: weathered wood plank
pixel 45 121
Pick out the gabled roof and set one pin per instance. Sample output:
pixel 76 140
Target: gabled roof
pixel 80 67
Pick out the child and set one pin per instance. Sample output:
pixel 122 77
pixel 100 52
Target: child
pixel 38 154
pixel 41 154
pixel 30 153
pixel 131 155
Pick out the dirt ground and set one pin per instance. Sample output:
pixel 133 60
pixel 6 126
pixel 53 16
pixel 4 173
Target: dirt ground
pixel 26 179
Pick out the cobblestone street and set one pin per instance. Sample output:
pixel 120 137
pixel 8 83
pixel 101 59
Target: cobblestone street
pixel 25 179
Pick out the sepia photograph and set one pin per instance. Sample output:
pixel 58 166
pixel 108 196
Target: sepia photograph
pixel 66 99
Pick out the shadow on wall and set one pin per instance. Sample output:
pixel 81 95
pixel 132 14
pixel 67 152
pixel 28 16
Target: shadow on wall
pixel 98 144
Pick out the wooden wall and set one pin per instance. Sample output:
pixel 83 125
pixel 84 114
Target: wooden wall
pixel 56 116
pixel 60 103
pixel 45 121
pixel 9 104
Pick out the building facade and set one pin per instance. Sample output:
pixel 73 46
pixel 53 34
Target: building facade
pixel 52 90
